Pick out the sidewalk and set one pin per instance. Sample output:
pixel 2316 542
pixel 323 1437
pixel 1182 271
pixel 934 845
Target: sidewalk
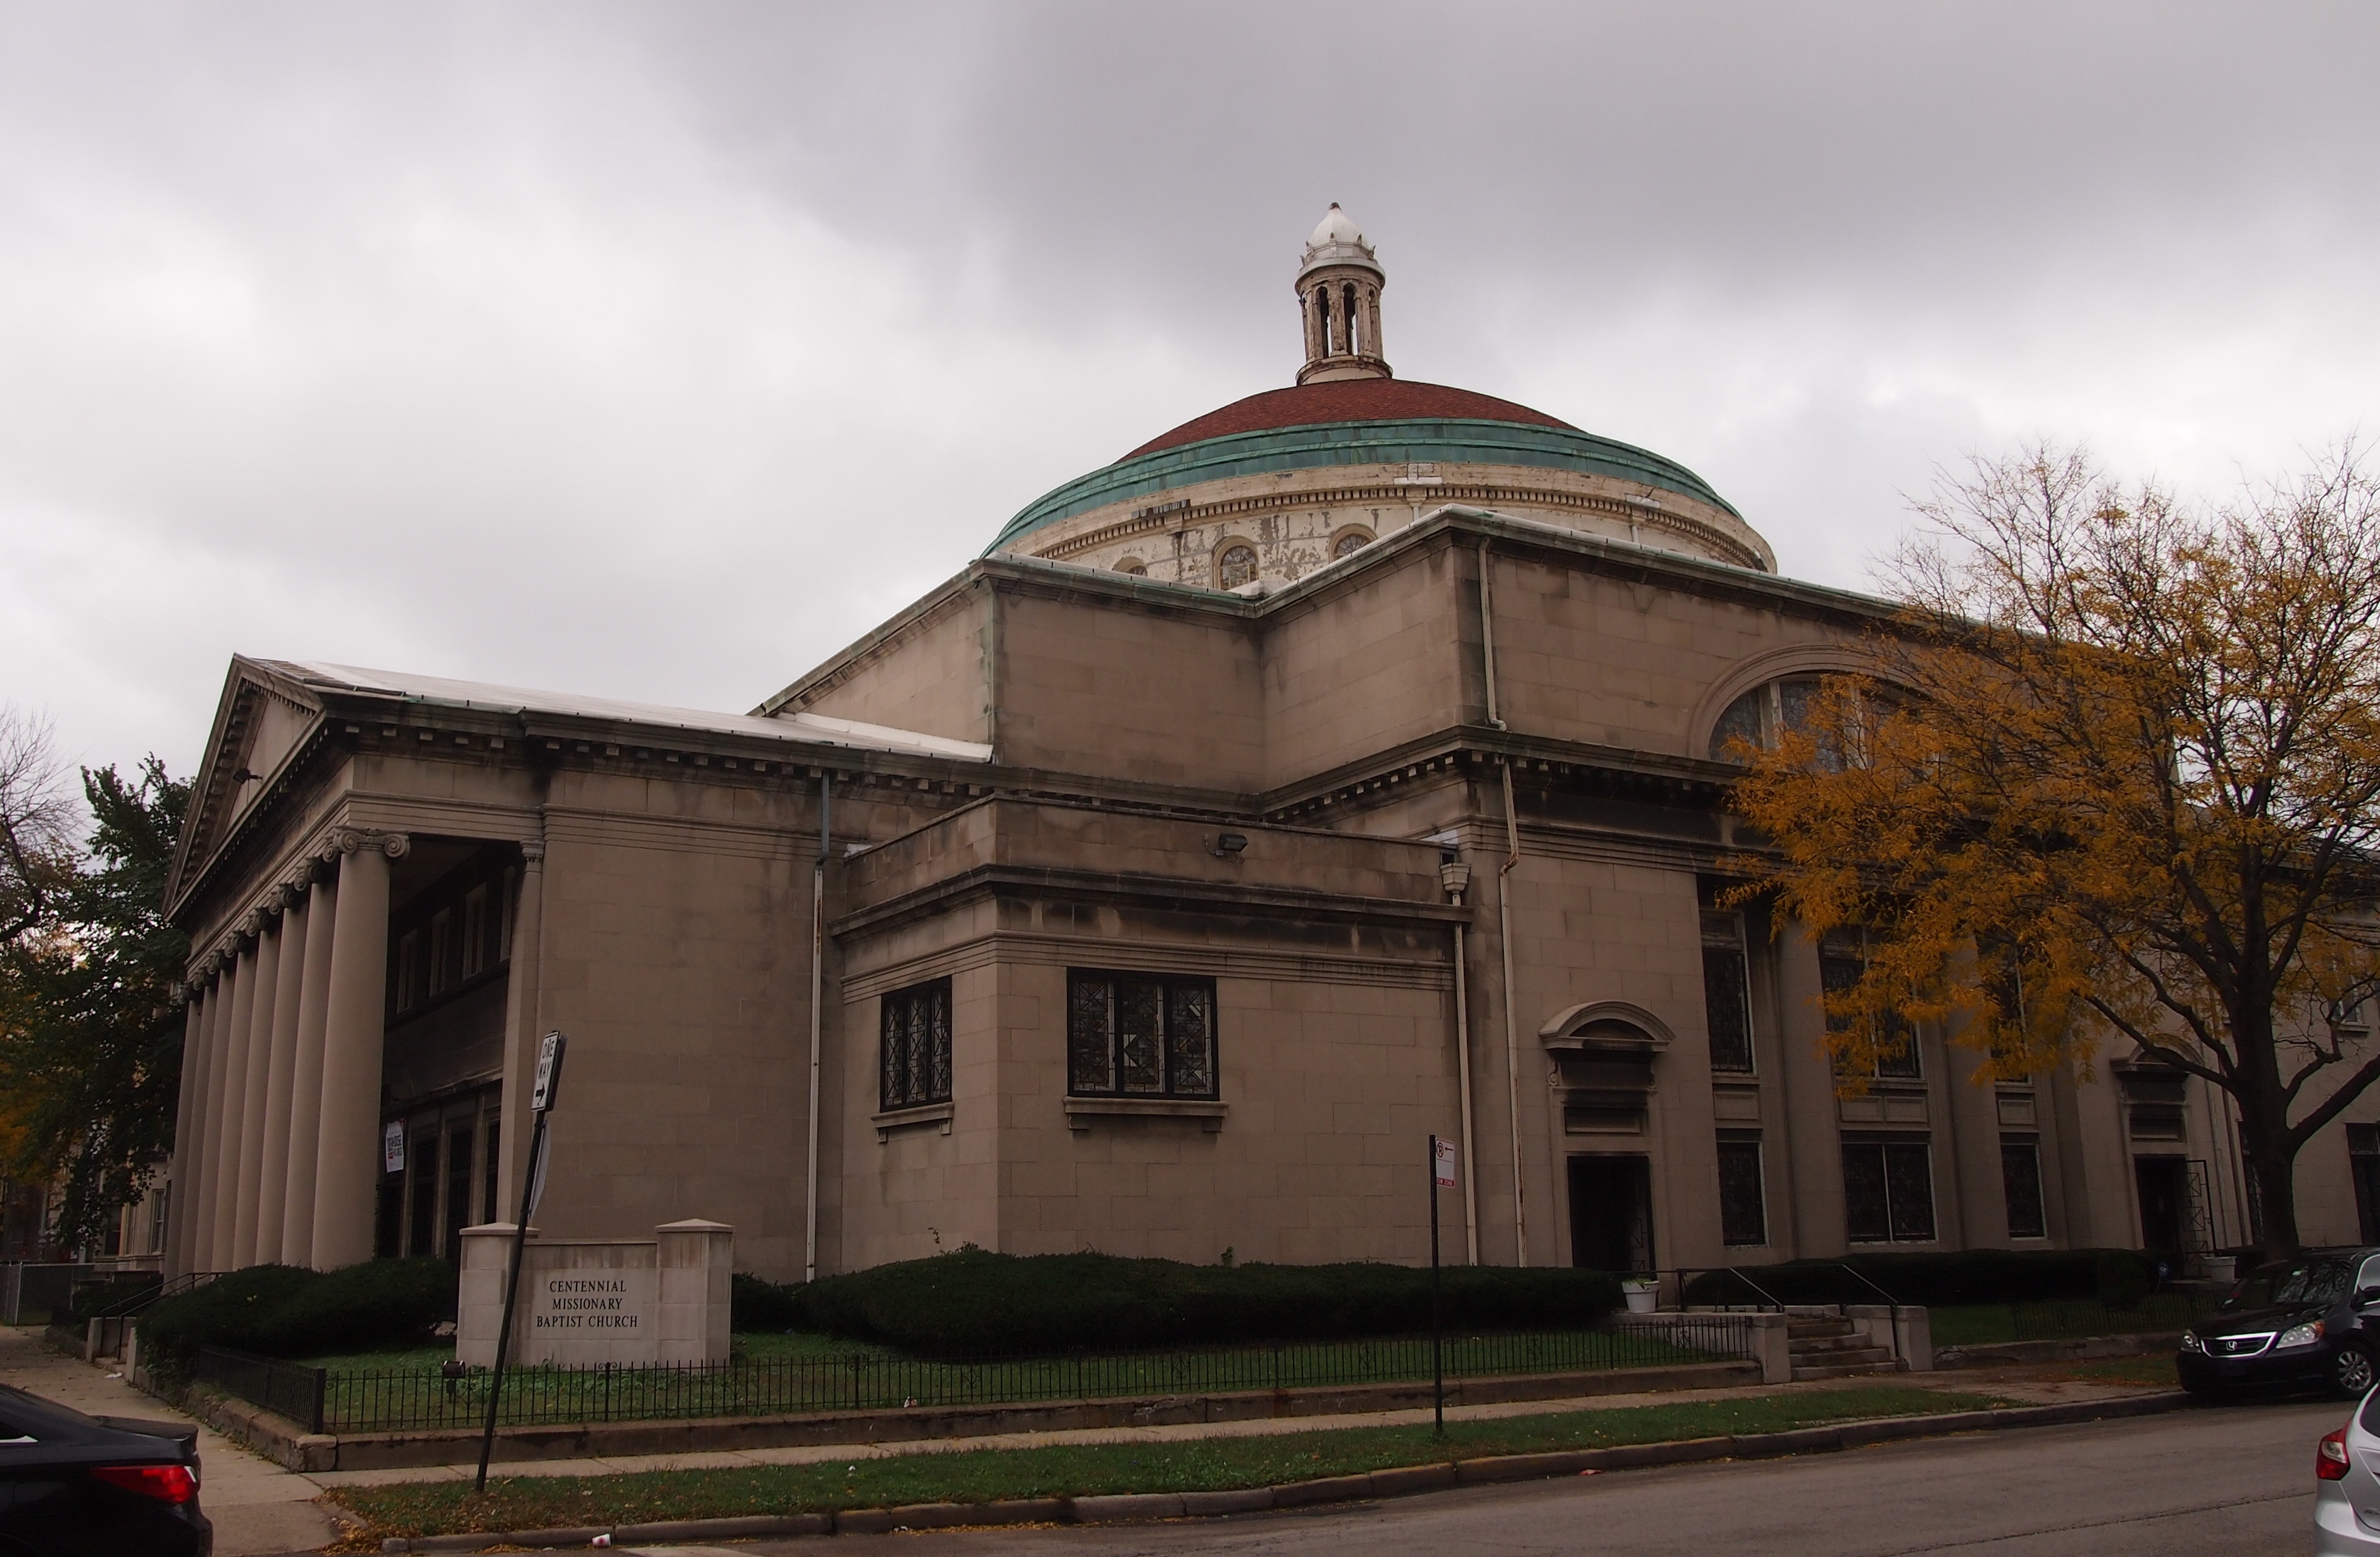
pixel 256 1507
pixel 2032 1392
pixel 260 1508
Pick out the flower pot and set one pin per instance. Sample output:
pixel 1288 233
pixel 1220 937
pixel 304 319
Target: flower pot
pixel 2221 1267
pixel 1643 1296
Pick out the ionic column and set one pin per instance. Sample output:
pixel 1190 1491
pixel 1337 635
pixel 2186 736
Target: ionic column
pixel 187 1113
pixel 306 1073
pixel 253 1085
pixel 348 1158
pixel 228 1090
pixel 273 1180
pixel 520 1031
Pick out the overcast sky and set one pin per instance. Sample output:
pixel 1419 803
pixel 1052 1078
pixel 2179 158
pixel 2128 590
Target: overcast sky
pixel 658 350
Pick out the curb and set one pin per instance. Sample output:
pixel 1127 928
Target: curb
pixel 1399 1481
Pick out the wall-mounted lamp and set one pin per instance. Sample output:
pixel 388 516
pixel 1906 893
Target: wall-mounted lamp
pixel 244 776
pixel 1230 846
pixel 1455 877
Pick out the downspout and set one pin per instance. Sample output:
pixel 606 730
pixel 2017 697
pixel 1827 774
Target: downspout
pixel 1457 879
pixel 818 1003
pixel 1504 914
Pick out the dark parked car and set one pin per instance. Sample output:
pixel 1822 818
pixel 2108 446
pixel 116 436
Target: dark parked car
pixel 77 1486
pixel 2310 1323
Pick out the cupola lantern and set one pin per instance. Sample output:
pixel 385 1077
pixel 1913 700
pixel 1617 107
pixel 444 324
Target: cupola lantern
pixel 1339 293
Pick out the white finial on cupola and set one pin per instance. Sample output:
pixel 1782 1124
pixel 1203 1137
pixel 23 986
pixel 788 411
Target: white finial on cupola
pixel 1339 293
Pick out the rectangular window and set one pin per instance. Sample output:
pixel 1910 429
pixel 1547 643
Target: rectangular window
pixel 422 1182
pixel 2021 1186
pixel 1842 965
pixel 475 932
pixel 459 1190
pixel 1131 1035
pixel 1742 1205
pixel 2363 1158
pixel 507 895
pixel 1727 994
pixel 441 952
pixel 408 982
pixel 1888 1192
pixel 915 1065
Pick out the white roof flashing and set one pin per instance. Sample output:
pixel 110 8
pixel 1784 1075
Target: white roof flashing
pixel 811 727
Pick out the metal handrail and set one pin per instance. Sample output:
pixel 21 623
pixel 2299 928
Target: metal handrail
pixel 1685 1271
pixel 1891 1300
pixel 139 1301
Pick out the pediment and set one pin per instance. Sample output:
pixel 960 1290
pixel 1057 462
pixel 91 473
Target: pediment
pixel 262 723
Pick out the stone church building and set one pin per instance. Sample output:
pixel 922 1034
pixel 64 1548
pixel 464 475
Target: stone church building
pixel 1335 770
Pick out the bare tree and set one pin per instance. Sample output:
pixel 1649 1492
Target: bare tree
pixel 36 822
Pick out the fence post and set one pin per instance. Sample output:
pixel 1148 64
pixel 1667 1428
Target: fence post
pixel 321 1387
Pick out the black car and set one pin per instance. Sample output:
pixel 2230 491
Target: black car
pixel 2310 1323
pixel 77 1486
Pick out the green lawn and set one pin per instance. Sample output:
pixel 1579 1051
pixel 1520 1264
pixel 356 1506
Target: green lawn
pixel 519 1502
pixel 777 1374
pixel 1985 1323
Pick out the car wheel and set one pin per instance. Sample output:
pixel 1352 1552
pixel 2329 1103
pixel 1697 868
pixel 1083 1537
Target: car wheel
pixel 2352 1372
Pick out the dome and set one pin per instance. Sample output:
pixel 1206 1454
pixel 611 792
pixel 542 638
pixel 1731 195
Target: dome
pixel 1336 240
pixel 1350 400
pixel 1286 483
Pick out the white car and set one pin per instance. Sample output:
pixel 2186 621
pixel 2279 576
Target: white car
pixel 2347 1486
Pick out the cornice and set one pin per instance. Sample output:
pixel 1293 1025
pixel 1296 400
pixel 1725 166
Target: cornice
pixel 992 880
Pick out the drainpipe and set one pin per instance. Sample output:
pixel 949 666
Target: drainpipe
pixel 1504 914
pixel 817 1004
pixel 1456 878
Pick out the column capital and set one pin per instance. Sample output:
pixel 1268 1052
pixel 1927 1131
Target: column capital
pixel 351 840
pixel 533 851
pixel 251 925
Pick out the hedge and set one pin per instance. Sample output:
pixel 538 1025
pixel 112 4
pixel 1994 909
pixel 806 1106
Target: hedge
pixel 975 1303
pixel 282 1310
pixel 2119 1277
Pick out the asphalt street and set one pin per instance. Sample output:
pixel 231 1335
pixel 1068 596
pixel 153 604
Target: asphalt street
pixel 2236 1482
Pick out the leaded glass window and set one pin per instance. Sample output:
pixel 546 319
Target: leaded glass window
pixel 1743 1201
pixel 1727 996
pixel 1742 722
pixel 1349 544
pixel 916 1063
pixel 1888 1192
pixel 1238 566
pixel 1136 1035
pixel 2021 1186
pixel 1842 963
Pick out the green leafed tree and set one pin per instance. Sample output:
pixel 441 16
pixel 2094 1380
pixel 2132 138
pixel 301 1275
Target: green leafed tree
pixel 90 1025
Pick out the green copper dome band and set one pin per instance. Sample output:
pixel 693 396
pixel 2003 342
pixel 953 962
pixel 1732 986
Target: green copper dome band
pixel 1449 439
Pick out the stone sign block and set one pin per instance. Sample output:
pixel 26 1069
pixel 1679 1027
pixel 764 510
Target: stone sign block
pixel 585 1303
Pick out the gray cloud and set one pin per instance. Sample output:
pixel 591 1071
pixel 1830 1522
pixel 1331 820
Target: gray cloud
pixel 657 351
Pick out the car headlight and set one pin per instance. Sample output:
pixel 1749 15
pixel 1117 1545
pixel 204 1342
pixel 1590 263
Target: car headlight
pixel 2304 1334
pixel 2189 1341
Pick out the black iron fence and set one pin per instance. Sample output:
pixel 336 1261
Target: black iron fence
pixel 383 1400
pixel 284 1388
pixel 2064 1319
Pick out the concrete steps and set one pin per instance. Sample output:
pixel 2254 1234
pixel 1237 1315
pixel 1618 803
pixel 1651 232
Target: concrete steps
pixel 1830 1347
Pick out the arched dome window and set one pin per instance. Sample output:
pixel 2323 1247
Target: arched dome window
pixel 1237 566
pixel 1133 565
pixel 1759 717
pixel 1349 542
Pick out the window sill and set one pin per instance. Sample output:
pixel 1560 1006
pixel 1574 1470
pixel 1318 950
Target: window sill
pixel 1208 1112
pixel 893 1119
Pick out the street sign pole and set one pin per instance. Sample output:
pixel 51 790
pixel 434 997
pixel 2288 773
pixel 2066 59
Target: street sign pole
pixel 542 1096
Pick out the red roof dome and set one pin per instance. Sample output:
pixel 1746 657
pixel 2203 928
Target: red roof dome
pixel 1346 400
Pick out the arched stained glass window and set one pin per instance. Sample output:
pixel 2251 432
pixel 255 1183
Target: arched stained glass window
pixel 1237 567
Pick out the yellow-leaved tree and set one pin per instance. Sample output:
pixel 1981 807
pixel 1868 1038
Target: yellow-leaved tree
pixel 2113 776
